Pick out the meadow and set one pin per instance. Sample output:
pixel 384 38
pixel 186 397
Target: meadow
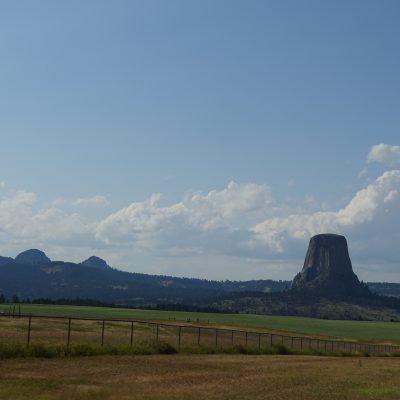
pixel 49 368
pixel 373 331
pixel 211 377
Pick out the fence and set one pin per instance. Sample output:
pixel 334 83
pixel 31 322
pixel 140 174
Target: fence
pixel 30 329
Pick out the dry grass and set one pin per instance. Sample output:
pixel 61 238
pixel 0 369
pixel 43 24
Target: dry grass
pixel 211 377
pixel 47 331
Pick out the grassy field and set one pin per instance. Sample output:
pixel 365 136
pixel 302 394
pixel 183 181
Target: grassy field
pixel 362 330
pixel 211 377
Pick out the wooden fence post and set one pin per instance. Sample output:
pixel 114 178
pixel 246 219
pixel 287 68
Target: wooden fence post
pixel 69 332
pixel 29 330
pixel 102 332
pixel 328 345
pixel 131 333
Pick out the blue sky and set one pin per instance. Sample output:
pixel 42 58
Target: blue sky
pixel 207 138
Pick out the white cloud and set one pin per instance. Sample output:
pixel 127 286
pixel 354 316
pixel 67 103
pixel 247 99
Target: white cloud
pixel 97 201
pixel 15 212
pixel 198 221
pixel 2 184
pixel 22 222
pixel 364 206
pixel 243 221
pixel 384 154
pixel 390 196
pixel 208 235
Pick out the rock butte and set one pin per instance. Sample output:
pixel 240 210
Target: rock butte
pixel 95 262
pixel 32 256
pixel 327 268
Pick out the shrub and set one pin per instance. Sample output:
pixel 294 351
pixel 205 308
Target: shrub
pixel 164 348
pixel 40 350
pixel 12 351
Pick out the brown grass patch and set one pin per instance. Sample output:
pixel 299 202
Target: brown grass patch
pixel 211 377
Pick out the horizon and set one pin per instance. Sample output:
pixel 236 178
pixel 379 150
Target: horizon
pixel 121 268
pixel 206 139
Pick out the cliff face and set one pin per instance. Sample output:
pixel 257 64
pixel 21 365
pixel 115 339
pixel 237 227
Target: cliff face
pixel 327 268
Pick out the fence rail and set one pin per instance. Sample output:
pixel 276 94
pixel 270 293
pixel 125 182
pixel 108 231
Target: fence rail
pixel 28 329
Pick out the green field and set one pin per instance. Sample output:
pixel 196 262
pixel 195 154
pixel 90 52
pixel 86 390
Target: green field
pixel 361 330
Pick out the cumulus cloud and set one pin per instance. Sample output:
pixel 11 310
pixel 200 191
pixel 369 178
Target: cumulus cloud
pixel 22 221
pixel 242 221
pixel 363 207
pixel 384 154
pixel 96 201
pixel 15 210
pixel 240 224
pixel 391 196
pixel 198 221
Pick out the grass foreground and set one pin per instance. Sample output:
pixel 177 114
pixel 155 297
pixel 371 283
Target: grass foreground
pixel 362 330
pixel 211 377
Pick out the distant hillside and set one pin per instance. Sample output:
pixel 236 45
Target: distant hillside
pixel 39 277
pixel 385 288
pixel 308 304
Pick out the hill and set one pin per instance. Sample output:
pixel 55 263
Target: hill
pixel 39 277
pixel 95 279
pixel 326 287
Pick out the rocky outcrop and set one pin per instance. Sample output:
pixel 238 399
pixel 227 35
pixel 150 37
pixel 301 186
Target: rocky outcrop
pixel 32 257
pixel 6 260
pixel 95 262
pixel 327 268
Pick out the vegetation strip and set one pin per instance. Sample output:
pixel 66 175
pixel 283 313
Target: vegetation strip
pixel 160 347
pixel 305 344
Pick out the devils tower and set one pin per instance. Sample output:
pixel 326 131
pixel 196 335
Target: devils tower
pixel 327 268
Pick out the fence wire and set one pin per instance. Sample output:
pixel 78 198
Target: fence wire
pixel 36 329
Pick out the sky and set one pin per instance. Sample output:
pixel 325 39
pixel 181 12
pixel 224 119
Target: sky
pixel 205 139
